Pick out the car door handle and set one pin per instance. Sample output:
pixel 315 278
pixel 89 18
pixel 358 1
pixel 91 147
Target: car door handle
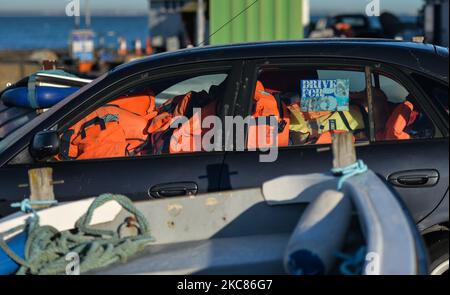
pixel 415 178
pixel 175 189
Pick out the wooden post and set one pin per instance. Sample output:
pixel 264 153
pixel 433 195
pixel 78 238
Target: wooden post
pixel 344 152
pixel 41 186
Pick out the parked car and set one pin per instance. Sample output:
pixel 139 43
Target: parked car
pixel 405 78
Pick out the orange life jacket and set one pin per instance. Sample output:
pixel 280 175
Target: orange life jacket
pixel 266 106
pixel 188 138
pixel 113 130
pixel 327 137
pixel 399 119
pixel 159 129
pixel 143 105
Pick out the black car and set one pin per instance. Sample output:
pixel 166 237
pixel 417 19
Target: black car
pixel 399 74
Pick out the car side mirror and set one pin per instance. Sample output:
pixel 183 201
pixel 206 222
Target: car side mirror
pixel 44 145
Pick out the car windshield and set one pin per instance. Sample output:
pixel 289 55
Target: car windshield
pixel 27 127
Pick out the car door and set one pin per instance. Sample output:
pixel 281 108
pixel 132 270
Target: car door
pixel 417 165
pixel 138 177
pixel 412 158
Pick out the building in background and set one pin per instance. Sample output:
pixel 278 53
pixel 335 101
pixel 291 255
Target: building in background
pixel 264 20
pixel 191 22
pixel 169 24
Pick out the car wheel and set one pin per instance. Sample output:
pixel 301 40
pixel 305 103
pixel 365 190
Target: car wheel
pixel 439 257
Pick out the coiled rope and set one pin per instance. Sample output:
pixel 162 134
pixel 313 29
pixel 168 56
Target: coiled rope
pixel 46 248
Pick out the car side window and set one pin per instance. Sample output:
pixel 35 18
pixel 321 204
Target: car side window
pixel 140 120
pixel 197 84
pixel 397 113
pixel 310 104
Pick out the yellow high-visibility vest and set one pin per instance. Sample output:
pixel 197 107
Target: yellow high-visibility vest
pixel 351 121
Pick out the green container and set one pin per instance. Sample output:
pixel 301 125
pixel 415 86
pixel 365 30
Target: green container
pixel 265 20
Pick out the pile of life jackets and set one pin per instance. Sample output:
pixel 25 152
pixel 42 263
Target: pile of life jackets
pixel 263 134
pixel 168 133
pixel 133 126
pixel 116 129
pixel 295 126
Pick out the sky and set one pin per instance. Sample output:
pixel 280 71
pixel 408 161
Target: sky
pixel 135 7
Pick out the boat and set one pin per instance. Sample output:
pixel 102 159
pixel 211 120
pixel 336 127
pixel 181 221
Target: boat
pixel 18 105
pixel 347 221
pixel 45 96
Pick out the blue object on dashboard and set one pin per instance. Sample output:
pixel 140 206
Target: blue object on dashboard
pixel 45 97
pixel 17 245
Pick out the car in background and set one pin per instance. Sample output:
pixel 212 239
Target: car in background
pixel 382 75
pixel 347 25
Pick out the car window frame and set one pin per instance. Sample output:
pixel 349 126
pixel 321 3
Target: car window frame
pixel 233 67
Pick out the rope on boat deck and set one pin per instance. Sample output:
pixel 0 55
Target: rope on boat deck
pixel 46 248
pixel 351 263
pixel 346 172
pixel 26 205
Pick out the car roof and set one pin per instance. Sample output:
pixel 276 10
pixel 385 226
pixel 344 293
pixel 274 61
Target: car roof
pixel 425 58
